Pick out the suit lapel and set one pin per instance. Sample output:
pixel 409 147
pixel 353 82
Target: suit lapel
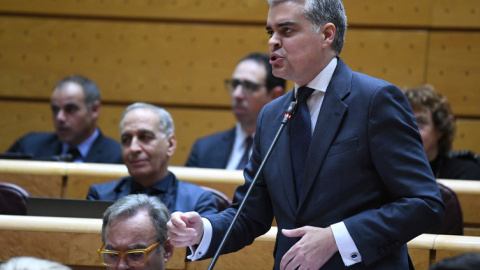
pixel 223 152
pixel 329 119
pixel 284 162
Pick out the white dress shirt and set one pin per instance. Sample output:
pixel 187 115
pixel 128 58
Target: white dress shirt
pixel 238 149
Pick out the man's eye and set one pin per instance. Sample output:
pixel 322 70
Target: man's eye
pixel 112 256
pixel 270 33
pixel 249 85
pixel 70 108
pixel 125 140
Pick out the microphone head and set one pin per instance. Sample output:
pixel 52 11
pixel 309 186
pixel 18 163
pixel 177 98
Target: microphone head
pixel 291 108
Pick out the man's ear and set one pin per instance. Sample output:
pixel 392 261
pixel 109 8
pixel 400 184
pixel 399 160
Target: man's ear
pixel 95 109
pixel 328 31
pixel 168 250
pixel 172 145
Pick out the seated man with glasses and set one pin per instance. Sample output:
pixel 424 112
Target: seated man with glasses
pixel 134 234
pixel 251 87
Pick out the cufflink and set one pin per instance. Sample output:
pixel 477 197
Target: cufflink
pixel 354 256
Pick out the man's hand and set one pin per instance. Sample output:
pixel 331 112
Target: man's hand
pixel 185 229
pixel 315 248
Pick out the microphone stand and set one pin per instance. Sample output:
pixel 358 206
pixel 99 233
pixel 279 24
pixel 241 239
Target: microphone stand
pixel 288 114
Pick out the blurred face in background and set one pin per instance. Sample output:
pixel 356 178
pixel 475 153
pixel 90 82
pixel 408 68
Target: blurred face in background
pixel 247 103
pixel 146 150
pixel 428 131
pixel 74 122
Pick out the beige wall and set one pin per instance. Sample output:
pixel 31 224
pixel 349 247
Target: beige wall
pixel 176 54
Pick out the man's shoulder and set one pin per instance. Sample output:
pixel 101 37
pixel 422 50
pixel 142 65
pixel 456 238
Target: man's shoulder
pixel 105 140
pixel 218 135
pixel 190 189
pixel 39 137
pixel 110 186
pixel 35 142
pixel 214 139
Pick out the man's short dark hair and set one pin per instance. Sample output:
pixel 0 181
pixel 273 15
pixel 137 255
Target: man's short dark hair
pixel 89 87
pixel 264 60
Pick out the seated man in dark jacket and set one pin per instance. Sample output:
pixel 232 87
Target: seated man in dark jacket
pixel 147 142
pixel 75 105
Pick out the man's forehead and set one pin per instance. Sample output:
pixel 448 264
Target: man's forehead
pixel 68 95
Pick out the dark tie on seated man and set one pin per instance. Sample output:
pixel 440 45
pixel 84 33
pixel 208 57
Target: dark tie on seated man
pixel 134 234
pixel 75 105
pixel 148 142
pixel 251 87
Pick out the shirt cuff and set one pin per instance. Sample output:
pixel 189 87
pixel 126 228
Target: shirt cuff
pixel 202 248
pixel 347 248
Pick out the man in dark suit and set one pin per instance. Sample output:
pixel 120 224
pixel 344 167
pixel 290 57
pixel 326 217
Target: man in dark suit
pixel 361 189
pixel 75 105
pixel 251 87
pixel 148 142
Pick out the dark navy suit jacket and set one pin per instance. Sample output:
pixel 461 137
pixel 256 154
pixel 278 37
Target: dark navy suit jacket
pixel 175 194
pixel 43 145
pixel 212 151
pixel 366 167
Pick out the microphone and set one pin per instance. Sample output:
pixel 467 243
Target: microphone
pixel 288 114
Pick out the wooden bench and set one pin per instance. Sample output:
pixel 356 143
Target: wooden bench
pixel 74 241
pixel 72 180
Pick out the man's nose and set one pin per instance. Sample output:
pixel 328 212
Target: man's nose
pixel 274 42
pixel 135 145
pixel 122 264
pixel 60 116
pixel 238 91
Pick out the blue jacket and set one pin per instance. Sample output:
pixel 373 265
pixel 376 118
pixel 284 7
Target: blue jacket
pixel 365 166
pixel 175 194
pixel 212 151
pixel 45 145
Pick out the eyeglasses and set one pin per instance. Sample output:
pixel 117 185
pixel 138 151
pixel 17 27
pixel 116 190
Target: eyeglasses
pixel 133 257
pixel 248 87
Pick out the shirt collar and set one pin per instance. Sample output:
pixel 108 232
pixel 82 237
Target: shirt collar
pixel 321 81
pixel 83 147
pixel 161 186
pixel 240 133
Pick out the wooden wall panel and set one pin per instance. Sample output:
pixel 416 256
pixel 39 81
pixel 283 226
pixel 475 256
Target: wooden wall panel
pixel 395 56
pixel 388 13
pixel 230 10
pixel 453 67
pixel 467 136
pixel 131 61
pixel 456 14
pixel 178 53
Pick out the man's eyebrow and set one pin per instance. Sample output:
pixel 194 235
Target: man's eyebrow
pixel 282 24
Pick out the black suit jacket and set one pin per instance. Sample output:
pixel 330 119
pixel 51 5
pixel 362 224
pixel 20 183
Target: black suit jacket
pixel 45 145
pixel 212 151
pixel 365 166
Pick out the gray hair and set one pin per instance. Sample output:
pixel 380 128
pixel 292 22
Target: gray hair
pixel 321 12
pixel 165 124
pixel 130 205
pixel 32 263
pixel 90 88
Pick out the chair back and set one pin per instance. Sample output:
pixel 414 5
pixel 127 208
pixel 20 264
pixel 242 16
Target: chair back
pixel 223 202
pixel 13 199
pixel 453 221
